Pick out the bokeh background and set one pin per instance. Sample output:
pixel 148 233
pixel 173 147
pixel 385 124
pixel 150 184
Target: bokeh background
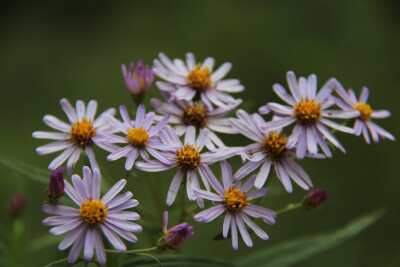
pixel 73 49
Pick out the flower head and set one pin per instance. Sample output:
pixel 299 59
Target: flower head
pixel 138 80
pixel 140 136
pixel 174 237
pixel 315 198
pixel 235 200
pixel 93 213
pixel 308 109
pixel 187 156
pixel 363 122
pixel 75 137
pixel 198 114
pixel 270 149
pixel 55 189
pixel 191 79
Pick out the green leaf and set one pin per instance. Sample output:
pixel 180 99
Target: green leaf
pixel 294 251
pixel 177 261
pixel 31 172
pixel 64 263
pixel 43 242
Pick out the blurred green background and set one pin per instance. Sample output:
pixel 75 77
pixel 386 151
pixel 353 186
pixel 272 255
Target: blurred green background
pixel 73 49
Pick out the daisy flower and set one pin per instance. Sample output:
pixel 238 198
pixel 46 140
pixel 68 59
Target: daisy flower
pixel 140 136
pixel 138 80
pixel 187 113
pixel 270 149
pixel 363 121
pixel 234 201
pixel 94 213
pixel 185 81
pixel 75 137
pixel 175 236
pixel 188 158
pixel 308 109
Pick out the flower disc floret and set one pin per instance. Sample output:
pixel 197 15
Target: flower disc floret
pixel 195 115
pixel 199 79
pixel 188 157
pixel 235 200
pixel 308 111
pixel 83 132
pixel 275 145
pixel 365 110
pixel 138 137
pixel 93 212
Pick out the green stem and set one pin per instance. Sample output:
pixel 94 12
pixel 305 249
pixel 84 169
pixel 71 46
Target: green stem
pixel 131 252
pixel 155 196
pixel 183 211
pixel 290 207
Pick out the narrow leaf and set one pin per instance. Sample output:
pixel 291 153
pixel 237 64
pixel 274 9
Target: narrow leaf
pixel 177 261
pixel 64 263
pixel 294 251
pixel 31 172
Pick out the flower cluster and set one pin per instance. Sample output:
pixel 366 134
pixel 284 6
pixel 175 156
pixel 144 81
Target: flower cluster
pixel 181 134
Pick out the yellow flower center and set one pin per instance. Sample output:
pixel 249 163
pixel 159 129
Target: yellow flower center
pixel 235 199
pixel 274 144
pixel 82 132
pixel 308 111
pixel 365 110
pixel 138 137
pixel 195 115
pixel 199 80
pixel 188 157
pixel 93 212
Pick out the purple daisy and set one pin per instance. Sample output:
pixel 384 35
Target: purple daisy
pixel 138 80
pixel 186 113
pixel 270 149
pixel 235 202
pixel 309 110
pixel 363 121
pixel 140 136
pixel 77 136
pixel 187 80
pixel 188 158
pixel 94 213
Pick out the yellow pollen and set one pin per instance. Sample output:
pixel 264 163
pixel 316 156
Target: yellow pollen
pixel 199 80
pixel 195 115
pixel 93 212
pixel 188 157
pixel 138 137
pixel 308 111
pixel 235 199
pixel 274 144
pixel 82 132
pixel 365 110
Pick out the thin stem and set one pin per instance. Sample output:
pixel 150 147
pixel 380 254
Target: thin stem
pixel 131 252
pixel 183 211
pixel 155 196
pixel 290 207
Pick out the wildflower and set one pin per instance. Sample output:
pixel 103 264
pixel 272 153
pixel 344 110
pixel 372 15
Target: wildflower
pixel 174 237
pixel 55 189
pixel 94 213
pixel 186 113
pixel 140 136
pixel 17 204
pixel 270 149
pixel 308 110
pixel 138 80
pixel 363 122
pixel 315 198
pixel 235 202
pixel 185 81
pixel 76 136
pixel 188 158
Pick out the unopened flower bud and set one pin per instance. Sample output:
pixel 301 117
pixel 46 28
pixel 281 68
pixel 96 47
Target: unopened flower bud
pixel 315 198
pixel 17 204
pixel 55 189
pixel 174 237
pixel 138 80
